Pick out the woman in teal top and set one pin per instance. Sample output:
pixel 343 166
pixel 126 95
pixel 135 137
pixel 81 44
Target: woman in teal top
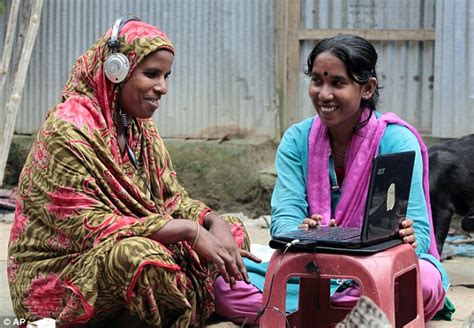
pixel 323 163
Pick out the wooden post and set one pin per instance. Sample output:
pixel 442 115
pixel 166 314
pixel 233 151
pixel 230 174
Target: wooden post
pixel 371 35
pixel 293 65
pixel 13 103
pixel 287 61
pixel 8 46
pixel 280 63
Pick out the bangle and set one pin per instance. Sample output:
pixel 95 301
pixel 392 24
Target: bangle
pixel 197 235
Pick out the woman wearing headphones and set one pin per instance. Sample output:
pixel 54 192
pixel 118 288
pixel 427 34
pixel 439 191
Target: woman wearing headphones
pixel 103 231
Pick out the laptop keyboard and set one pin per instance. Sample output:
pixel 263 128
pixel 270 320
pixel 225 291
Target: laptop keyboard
pixel 329 233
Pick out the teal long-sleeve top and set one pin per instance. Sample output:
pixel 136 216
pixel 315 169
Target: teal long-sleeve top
pixel 289 203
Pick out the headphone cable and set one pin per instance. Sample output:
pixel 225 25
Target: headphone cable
pixel 125 123
pixel 265 307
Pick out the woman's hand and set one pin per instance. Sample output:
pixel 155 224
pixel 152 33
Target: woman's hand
pixel 225 253
pixel 408 233
pixel 212 249
pixel 315 222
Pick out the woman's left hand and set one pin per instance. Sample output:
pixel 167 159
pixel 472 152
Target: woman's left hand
pixel 407 232
pixel 221 230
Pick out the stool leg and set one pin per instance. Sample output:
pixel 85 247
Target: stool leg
pixel 382 289
pixel 410 312
pixel 381 292
pixel 274 294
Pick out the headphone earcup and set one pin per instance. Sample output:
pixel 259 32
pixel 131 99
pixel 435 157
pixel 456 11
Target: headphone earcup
pixel 116 67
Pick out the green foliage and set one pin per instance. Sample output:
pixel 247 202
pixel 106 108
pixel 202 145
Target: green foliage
pixel 2 7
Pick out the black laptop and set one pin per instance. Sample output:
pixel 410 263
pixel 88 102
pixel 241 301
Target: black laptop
pixel 386 206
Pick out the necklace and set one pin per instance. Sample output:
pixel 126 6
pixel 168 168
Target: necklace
pixel 337 153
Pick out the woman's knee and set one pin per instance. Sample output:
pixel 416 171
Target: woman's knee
pixel 432 287
pixel 430 280
pixel 131 252
pixel 239 232
pixel 239 305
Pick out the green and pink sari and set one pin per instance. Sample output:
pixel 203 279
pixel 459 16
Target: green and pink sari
pixel 79 249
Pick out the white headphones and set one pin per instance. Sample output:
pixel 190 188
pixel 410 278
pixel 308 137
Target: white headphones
pixel 116 64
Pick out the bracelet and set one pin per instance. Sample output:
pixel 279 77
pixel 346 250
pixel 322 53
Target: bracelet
pixel 197 235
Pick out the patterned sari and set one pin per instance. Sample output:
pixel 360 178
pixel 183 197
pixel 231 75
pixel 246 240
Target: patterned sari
pixel 79 250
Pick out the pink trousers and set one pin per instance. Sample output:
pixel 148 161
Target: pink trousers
pixel 243 303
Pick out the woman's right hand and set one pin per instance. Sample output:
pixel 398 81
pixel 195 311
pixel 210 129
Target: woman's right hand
pixel 315 222
pixel 212 249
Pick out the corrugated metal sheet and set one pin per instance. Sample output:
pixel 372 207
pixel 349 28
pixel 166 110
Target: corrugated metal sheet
pixel 454 61
pixel 405 69
pixel 223 74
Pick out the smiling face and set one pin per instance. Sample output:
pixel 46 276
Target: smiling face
pixel 335 95
pixel 141 93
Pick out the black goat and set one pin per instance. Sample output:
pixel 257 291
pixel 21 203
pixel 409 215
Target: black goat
pixel 451 175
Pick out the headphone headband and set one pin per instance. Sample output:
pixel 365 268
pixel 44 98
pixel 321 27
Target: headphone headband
pixel 119 23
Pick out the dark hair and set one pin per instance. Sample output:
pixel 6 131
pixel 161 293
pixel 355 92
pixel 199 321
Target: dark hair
pixel 359 56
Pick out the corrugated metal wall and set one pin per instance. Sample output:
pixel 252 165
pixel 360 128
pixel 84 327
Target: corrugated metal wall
pixel 453 114
pixel 223 76
pixel 222 81
pixel 405 69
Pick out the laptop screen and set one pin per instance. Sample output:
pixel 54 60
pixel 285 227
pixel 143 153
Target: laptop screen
pixel 389 191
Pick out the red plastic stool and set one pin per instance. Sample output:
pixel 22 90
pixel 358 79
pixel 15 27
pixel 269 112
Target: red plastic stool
pixel 376 275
